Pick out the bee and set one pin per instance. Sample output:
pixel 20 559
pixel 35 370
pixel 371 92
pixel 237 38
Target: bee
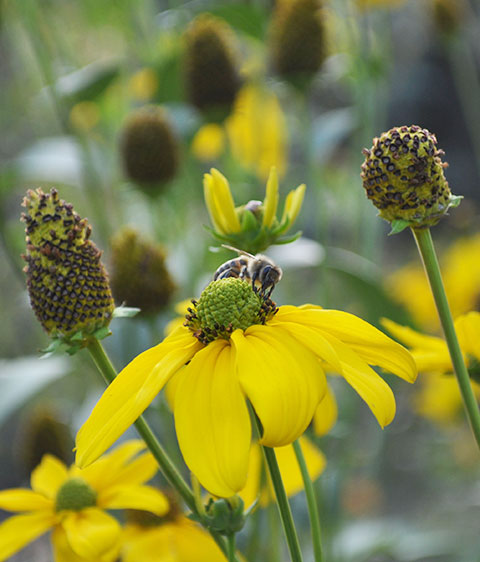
pixel 259 269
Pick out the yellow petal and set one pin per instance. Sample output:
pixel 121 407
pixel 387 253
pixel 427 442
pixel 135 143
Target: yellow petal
pixel 271 199
pixel 372 345
pixel 17 531
pixel 430 353
pixel 212 420
pixel 131 393
pixel 251 491
pixel 193 544
pixel 208 143
pixel 439 398
pixel 138 471
pixel 224 201
pixel 48 476
pixel 62 551
pixel 282 378
pixel 21 499
pixel 293 204
pixel 210 202
pixel 468 331
pixel 149 545
pixel 91 532
pixel 370 386
pixel 325 414
pixel 134 497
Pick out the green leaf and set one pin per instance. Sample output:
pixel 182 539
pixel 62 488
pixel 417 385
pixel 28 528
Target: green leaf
pixel 288 239
pixel 125 312
pixel 399 225
pixel 102 333
pixel 455 201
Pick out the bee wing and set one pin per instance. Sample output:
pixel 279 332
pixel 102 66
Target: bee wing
pixel 240 252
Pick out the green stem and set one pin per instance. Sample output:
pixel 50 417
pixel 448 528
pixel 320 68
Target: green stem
pixel 104 365
pixel 311 503
pixel 231 547
pixel 282 500
pixel 425 246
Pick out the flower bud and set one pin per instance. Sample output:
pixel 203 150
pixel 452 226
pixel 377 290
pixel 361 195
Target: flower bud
pixel 139 275
pixel 297 38
pixel 403 177
pixel 225 515
pixel 66 281
pixel 211 75
pixel 149 149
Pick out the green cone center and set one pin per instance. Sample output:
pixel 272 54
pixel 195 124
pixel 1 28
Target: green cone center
pixel 75 494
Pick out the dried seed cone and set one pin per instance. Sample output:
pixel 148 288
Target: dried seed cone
pixel 67 283
pixel 211 75
pixel 403 176
pixel 149 148
pixel 297 40
pixel 140 277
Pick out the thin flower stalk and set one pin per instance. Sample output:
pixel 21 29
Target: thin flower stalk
pixel 426 248
pixel 311 503
pixel 167 467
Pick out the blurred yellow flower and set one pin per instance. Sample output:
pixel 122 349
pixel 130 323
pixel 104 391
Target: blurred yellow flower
pixel 257 131
pixel 84 115
pixel 438 398
pixel 460 266
pixel 372 4
pixel 209 142
pixel 72 502
pixel 143 84
pixel 254 226
pixel 291 475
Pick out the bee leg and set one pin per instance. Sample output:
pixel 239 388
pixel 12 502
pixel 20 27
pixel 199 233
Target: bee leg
pixel 254 279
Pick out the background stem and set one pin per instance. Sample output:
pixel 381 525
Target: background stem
pixel 425 246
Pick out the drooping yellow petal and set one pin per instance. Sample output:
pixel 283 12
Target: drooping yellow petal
pixel 370 386
pixel 468 331
pixel 21 499
pixel 193 544
pixel 252 489
pixel 271 199
pixel 131 393
pixel 293 204
pixel 138 471
pixel 48 476
pixel 17 531
pixel 438 398
pixel 224 201
pixel 283 380
pixel 212 420
pixel 90 532
pixel 325 414
pixel 134 497
pixel 372 345
pixel 430 353
pixel 148 545
pixel 62 551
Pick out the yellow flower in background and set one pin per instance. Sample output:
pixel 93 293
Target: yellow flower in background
pixel 254 226
pixel 461 275
pixel 209 142
pixel 238 346
pixel 439 398
pixel 72 503
pixel 291 475
pixel 326 414
pixel 180 540
pixel 372 4
pixel 257 131
pixel 143 84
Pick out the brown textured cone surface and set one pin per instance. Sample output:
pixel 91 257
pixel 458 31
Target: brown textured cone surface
pixel 139 274
pixel 297 38
pixel 211 75
pixel 149 147
pixel 67 283
pixel 403 176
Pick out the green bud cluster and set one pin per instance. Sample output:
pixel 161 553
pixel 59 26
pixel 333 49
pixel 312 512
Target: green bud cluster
pixel 75 494
pixel 67 283
pixel 210 66
pixel 403 177
pixel 225 306
pixel 139 275
pixel 297 39
pixel 149 148
pixel 225 516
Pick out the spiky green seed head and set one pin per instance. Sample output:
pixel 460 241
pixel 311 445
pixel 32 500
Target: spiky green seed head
pixel 149 149
pixel 403 176
pixel 210 66
pixel 74 495
pixel 226 305
pixel 139 275
pixel 297 38
pixel 66 281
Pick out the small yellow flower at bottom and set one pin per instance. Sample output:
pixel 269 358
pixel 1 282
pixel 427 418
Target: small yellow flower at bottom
pixel 237 346
pixel 439 397
pixel 72 503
